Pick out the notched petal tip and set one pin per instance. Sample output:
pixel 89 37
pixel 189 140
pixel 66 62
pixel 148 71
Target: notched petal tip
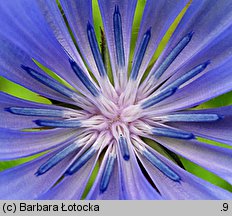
pixel 38 173
pixel 190 34
pixel 116 9
pixel 25 67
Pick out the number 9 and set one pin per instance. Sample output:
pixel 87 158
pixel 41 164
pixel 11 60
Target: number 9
pixel 225 206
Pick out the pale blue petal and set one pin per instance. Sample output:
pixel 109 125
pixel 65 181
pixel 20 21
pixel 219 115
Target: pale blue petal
pixel 127 9
pixel 23 24
pixel 212 84
pixel 129 173
pixel 15 144
pixel 159 15
pixel 11 59
pixel 72 187
pixel 210 40
pixel 190 186
pixel 219 131
pixel 113 190
pixel 55 20
pixel 21 182
pixel 79 13
pixel 213 158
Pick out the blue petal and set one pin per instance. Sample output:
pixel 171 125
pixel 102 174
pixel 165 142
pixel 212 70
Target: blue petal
pixel 213 158
pixel 55 20
pixel 72 187
pixel 9 120
pixel 158 15
pixel 16 144
pixel 129 173
pixel 78 14
pixel 113 190
pixel 219 131
pixel 190 186
pixel 33 36
pixel 126 10
pixel 211 40
pixel 11 58
pixel 21 183
pixel 200 90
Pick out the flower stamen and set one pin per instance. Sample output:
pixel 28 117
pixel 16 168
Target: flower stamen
pixel 95 50
pixel 51 83
pixel 123 145
pixel 140 54
pixel 154 160
pixel 81 161
pixel 163 94
pixel 102 140
pixel 35 112
pixel 108 170
pixel 160 165
pixel 57 158
pixel 172 55
pixel 172 133
pixel 119 132
pixel 118 37
pixel 189 118
pixel 84 79
pixel 59 123
pixel 27 111
pixel 189 75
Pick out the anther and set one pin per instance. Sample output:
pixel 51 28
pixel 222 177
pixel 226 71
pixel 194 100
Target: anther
pixel 84 79
pixel 160 165
pixel 95 50
pixel 35 111
pixel 107 173
pixel 172 133
pixel 59 123
pixel 56 159
pixel 81 161
pixel 191 117
pixel 124 147
pixel 118 37
pixel 51 83
pixel 172 55
pixel 163 94
pixel 189 75
pixel 140 54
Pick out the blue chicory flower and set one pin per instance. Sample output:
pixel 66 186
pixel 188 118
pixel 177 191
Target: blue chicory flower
pixel 94 123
